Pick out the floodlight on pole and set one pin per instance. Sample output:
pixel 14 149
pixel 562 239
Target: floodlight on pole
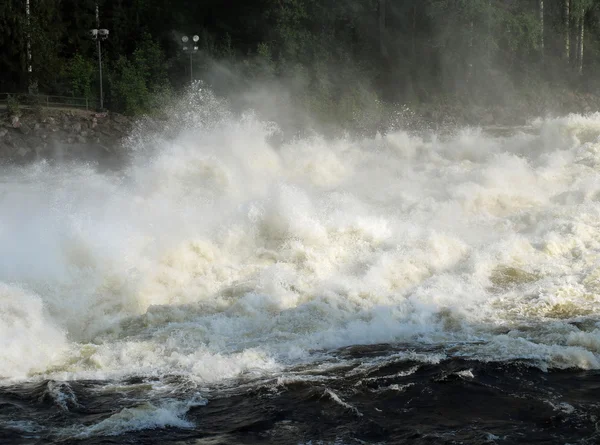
pixel 190 48
pixel 98 35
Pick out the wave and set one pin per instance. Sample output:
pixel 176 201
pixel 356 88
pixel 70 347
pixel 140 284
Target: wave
pixel 216 255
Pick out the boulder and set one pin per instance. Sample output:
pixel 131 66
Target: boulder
pixel 119 119
pixel 24 128
pixel 33 142
pixel 23 151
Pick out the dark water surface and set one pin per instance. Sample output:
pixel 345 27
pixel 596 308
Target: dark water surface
pixel 368 398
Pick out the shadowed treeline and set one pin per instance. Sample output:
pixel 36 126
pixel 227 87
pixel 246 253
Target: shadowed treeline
pixel 335 59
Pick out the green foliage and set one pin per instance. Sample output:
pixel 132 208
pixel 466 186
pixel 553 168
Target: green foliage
pixel 130 93
pixel 13 106
pixel 46 30
pixel 338 59
pixel 81 75
pixel 34 100
pixel 140 84
pixel 261 65
pixel 150 63
pixel 523 31
pixel 579 7
pixel 226 49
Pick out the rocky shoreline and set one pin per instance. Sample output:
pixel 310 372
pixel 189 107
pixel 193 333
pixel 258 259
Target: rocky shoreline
pixel 58 135
pixel 53 135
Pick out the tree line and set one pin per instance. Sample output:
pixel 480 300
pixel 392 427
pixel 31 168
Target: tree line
pixel 336 58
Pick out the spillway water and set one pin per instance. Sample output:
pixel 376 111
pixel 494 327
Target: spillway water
pixel 395 289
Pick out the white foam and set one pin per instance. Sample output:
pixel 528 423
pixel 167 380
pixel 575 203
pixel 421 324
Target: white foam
pixel 466 374
pixel 337 399
pixel 26 426
pixel 398 388
pixel 562 407
pixel 62 394
pixel 29 340
pixel 170 413
pixel 216 255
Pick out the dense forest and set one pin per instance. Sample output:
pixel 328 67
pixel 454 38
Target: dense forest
pixel 335 58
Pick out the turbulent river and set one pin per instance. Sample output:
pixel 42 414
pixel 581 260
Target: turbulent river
pixel 220 289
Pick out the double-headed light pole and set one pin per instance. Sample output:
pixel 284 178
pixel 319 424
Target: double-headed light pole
pixel 99 35
pixel 190 48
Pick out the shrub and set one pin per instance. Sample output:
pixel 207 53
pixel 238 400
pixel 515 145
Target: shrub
pixel 140 84
pixel 81 73
pixel 129 91
pixel 13 106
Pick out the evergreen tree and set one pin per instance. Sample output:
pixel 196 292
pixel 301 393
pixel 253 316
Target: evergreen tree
pixel 328 53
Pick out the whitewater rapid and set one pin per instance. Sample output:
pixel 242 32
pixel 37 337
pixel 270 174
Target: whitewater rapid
pixel 217 255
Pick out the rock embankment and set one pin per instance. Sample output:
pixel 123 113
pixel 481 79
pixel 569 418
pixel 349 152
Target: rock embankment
pixel 79 135
pixel 62 135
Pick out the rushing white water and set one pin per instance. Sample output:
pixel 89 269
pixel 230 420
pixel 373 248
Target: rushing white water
pixel 218 255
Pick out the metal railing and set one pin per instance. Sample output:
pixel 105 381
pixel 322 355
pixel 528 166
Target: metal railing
pixel 31 100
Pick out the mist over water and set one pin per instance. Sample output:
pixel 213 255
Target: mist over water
pixel 216 256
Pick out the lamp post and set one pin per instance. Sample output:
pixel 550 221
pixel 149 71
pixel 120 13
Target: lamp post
pixel 190 48
pixel 98 35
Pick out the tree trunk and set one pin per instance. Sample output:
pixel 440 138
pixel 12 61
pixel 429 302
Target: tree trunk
pixel 489 36
pixel 471 56
pixel 29 57
pixel 541 3
pixel 582 24
pixel 414 32
pixel 567 31
pixel 577 25
pixel 382 46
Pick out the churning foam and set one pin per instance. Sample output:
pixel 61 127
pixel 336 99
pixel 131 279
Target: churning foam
pixel 217 255
pixel 169 413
